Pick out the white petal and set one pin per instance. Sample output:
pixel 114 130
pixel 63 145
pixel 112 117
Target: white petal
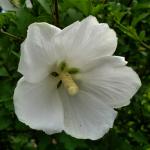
pixel 38 105
pixel 85 117
pixel 29 4
pixel 6 5
pixel 37 52
pixel 112 81
pixel 86 40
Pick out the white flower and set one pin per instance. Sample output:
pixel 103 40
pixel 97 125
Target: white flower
pixel 71 82
pixel 11 5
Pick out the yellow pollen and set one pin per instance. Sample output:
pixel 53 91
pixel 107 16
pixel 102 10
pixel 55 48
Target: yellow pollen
pixel 69 83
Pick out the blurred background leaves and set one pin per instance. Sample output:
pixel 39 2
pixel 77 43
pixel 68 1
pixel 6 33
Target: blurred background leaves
pixel 131 20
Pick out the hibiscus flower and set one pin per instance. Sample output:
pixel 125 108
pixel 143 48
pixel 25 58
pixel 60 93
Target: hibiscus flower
pixel 71 82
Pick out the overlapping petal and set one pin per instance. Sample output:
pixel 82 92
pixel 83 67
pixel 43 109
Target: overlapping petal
pixel 112 81
pixel 86 40
pixel 38 52
pixel 39 106
pixel 85 116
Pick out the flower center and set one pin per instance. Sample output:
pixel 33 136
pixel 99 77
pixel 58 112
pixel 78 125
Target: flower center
pixel 69 83
pixel 65 75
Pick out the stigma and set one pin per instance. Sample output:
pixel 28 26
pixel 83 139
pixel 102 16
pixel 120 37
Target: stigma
pixel 69 84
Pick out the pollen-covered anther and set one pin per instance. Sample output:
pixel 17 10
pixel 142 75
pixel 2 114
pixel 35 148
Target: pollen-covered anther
pixel 68 82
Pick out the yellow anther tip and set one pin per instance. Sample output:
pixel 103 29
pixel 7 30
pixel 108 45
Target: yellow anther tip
pixel 69 83
pixel 73 90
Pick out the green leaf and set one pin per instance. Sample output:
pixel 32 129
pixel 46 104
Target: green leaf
pixel 139 137
pixel 71 143
pixel 46 5
pixel 142 35
pixel 144 5
pixel 24 19
pixel 96 9
pixel 139 18
pixel 82 5
pixel 5 121
pixel 6 18
pixel 3 72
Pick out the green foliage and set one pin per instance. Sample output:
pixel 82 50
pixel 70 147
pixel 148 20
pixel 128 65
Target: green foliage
pixel 82 6
pixel 45 4
pixel 5 18
pixel 131 20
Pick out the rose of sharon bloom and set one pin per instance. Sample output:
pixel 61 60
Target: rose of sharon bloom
pixel 71 82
